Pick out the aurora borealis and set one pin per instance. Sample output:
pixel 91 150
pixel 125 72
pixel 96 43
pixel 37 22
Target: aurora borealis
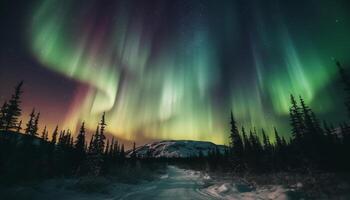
pixel 174 69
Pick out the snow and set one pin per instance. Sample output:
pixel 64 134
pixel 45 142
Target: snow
pixel 176 184
pixel 230 191
pixel 299 185
pixel 176 149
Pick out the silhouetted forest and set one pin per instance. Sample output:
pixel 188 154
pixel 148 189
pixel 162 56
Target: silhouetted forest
pixel 26 154
pixel 30 155
pixel 313 145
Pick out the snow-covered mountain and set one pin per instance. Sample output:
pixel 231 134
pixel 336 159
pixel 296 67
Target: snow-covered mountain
pixel 176 149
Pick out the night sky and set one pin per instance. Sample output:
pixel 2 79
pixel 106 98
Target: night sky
pixel 174 69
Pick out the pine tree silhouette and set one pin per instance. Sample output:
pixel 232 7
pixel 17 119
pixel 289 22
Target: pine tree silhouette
pixel 312 135
pixel 44 135
pixel 95 154
pixel 54 135
pixel 34 131
pixel 102 137
pixel 96 149
pixel 30 123
pixel 80 142
pixel 266 141
pixel 245 138
pixel 277 138
pixel 13 111
pixel 79 149
pixel 296 120
pixel 236 143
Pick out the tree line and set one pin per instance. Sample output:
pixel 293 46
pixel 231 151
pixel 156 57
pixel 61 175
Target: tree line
pixel 312 145
pixel 31 155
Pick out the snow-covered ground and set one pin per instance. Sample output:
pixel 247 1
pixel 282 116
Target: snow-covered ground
pixel 226 190
pixel 178 184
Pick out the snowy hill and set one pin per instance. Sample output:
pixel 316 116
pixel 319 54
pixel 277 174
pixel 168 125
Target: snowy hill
pixel 176 149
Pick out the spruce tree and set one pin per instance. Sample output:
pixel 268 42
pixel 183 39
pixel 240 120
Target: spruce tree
pixel 306 113
pixel 62 133
pixel 102 137
pixel 80 142
pixel 245 139
pixel 235 140
pixel 279 155
pixel 256 144
pixel 54 135
pixel 44 134
pixel 30 123
pixel 71 139
pixel 296 120
pixel 266 140
pixel 13 111
pixel 34 131
pixel 313 131
pixel 277 138
pixel 79 147
pixel 96 151
pixel 255 150
pixel 47 135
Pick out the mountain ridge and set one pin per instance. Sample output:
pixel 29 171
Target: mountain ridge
pixel 176 149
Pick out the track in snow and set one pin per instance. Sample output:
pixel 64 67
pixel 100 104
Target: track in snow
pixel 177 184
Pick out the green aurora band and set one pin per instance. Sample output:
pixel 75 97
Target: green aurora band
pixel 160 84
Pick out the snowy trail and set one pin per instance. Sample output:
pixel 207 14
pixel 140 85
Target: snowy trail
pixel 177 184
pixel 180 184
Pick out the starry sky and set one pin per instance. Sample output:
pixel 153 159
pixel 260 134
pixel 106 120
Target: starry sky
pixel 174 69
